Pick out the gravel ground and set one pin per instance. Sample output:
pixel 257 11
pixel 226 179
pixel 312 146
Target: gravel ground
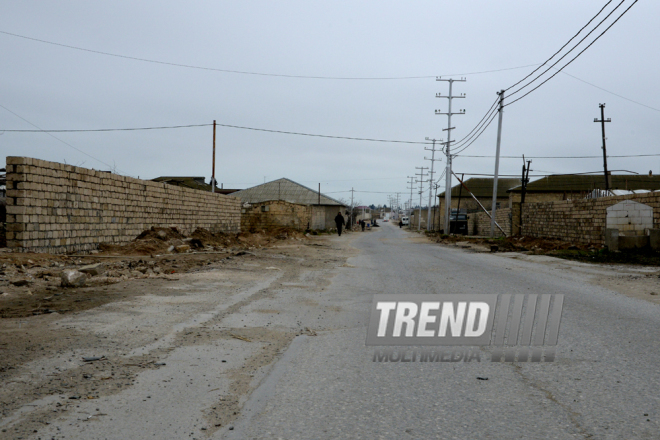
pixel 271 346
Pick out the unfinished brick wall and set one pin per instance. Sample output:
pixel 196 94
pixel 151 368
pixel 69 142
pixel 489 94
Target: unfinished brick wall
pixel 57 208
pixel 276 214
pixel 579 221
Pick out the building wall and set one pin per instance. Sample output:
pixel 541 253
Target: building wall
pixel 276 214
pixel 467 204
pixel 532 197
pixel 629 217
pixel 331 212
pixel 480 223
pixel 56 208
pixel 580 221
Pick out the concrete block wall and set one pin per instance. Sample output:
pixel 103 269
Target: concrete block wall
pixel 58 208
pixel 276 214
pixel 579 221
pixel 481 222
pixel 630 217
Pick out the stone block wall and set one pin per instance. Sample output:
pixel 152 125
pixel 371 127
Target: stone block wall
pixel 58 208
pixel 276 214
pixel 481 222
pixel 579 221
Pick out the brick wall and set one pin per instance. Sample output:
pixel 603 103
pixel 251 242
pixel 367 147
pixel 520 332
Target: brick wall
pixel 56 208
pixel 276 214
pixel 480 223
pixel 580 221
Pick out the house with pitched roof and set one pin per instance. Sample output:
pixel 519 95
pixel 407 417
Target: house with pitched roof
pixel 284 202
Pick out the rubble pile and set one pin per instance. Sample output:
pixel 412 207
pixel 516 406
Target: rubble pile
pixel 32 284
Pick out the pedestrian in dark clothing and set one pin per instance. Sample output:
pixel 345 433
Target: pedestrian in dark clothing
pixel 339 221
pixel 400 224
pixel 363 224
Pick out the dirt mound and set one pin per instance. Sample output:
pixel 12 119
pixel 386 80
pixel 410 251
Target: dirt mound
pixel 164 234
pixel 154 240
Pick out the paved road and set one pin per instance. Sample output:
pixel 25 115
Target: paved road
pixel 604 384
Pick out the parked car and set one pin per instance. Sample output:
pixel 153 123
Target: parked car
pixel 458 224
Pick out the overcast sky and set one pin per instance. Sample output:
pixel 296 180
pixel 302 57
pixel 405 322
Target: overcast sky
pixel 55 87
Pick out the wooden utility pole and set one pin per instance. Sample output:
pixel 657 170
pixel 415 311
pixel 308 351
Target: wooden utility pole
pixel 602 121
pixel 213 172
pixel 525 180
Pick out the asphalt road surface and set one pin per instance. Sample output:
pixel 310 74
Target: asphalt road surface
pixel 604 383
pixel 324 384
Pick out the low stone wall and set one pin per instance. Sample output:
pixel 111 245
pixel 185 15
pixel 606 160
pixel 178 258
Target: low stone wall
pixel 57 208
pixel 276 214
pixel 578 221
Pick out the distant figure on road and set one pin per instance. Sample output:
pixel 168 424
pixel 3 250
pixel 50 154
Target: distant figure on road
pixel 400 224
pixel 363 224
pixel 339 221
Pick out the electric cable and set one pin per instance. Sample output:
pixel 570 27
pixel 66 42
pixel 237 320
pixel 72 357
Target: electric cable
pixel 563 47
pixel 242 72
pixel 574 58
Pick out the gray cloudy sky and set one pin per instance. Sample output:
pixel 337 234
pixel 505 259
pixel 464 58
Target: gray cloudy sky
pixel 60 88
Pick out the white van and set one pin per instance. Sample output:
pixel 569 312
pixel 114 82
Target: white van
pixel 405 221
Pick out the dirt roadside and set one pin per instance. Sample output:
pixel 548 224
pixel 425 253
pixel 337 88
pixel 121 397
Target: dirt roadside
pixel 634 274
pixel 61 348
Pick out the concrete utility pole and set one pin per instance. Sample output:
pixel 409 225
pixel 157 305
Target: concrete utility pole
pixel 213 172
pixel 350 219
pixel 602 121
pixel 411 188
pixel 421 175
pixel 436 186
pixel 433 160
pixel 497 163
pixel 449 128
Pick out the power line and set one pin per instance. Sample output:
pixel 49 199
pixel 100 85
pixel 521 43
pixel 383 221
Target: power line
pixel 106 129
pixel 574 58
pixel 60 140
pixel 565 157
pixel 611 93
pixel 222 125
pixel 588 173
pixel 564 46
pixel 243 72
pixel 568 52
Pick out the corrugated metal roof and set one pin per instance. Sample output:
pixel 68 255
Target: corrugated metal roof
pixel 185 181
pixel 585 183
pixel 284 189
pixel 483 187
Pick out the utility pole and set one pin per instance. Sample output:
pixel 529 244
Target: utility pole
pixel 397 205
pixel 602 123
pixel 411 188
pixel 449 128
pixel 525 180
pixel 421 175
pixel 350 219
pixel 213 172
pixel 433 160
pixel 460 191
pixel 436 185
pixel 497 163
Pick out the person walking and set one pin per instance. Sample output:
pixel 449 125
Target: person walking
pixel 339 221
pixel 363 224
pixel 400 224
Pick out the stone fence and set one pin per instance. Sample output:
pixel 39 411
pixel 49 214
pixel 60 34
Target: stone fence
pixel 583 220
pixel 56 208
